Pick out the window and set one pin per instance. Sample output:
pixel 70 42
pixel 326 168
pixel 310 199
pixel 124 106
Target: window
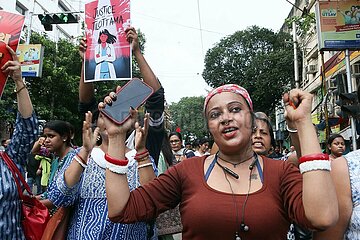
pixel 20 8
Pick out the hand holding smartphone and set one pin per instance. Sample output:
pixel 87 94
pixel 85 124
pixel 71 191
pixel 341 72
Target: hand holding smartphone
pixel 132 94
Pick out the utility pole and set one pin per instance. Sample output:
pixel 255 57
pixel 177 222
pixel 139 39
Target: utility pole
pixel 30 24
pixel 296 64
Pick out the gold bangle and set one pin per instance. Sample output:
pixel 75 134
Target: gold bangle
pixel 17 91
pixel 139 160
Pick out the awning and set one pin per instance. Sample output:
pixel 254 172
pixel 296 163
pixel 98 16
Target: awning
pixel 336 62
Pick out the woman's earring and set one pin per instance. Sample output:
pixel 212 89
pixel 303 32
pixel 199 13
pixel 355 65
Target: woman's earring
pixel 98 138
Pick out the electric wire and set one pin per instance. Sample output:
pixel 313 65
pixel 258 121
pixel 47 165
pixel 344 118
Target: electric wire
pixel 201 36
pixel 234 200
pixel 178 24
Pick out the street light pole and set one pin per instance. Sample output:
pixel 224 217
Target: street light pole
pixel 30 24
pixel 296 64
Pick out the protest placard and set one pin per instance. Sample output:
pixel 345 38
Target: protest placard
pixel 11 25
pixel 108 53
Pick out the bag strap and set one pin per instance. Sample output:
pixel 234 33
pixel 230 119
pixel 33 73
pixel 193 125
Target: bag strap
pixel 16 174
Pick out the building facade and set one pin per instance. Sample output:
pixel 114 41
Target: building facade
pixel 311 63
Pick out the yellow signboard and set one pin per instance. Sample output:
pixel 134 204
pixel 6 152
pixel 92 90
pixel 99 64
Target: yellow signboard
pixel 30 57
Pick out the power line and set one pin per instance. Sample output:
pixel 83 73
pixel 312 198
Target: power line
pixel 201 36
pixel 179 24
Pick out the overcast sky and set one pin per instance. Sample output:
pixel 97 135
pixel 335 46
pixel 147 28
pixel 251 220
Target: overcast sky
pixel 175 45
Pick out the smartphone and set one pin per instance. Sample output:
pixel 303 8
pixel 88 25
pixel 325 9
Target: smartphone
pixel 133 94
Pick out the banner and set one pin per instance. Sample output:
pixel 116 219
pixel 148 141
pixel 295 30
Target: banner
pixel 10 29
pixel 108 53
pixel 30 57
pixel 338 24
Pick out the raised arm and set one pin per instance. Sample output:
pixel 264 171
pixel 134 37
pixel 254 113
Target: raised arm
pixel 87 100
pixel 117 188
pixel 26 126
pixel 77 166
pixel 155 104
pixel 23 99
pixel 319 195
pixel 293 158
pixel 147 74
pixel 145 167
pixel 341 178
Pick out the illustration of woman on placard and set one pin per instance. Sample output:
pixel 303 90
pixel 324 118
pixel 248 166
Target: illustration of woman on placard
pixel 105 56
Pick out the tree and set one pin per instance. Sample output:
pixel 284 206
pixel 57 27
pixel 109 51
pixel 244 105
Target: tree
pixel 55 94
pixel 256 58
pixel 188 115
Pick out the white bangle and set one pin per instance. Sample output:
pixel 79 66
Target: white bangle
pixel 116 168
pixel 314 165
pixel 144 165
pixel 291 130
pixel 80 162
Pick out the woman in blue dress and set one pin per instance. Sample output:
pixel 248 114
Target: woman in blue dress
pixel 25 133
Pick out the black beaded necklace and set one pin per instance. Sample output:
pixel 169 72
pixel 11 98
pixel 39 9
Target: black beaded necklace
pixel 234 164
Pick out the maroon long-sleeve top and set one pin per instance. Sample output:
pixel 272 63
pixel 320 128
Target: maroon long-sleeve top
pixel 207 213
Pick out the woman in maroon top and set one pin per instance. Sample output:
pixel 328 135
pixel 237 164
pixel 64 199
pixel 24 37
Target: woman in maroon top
pixel 233 194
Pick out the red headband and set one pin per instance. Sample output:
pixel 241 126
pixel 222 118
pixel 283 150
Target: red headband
pixel 229 88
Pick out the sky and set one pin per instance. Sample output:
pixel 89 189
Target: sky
pixel 179 33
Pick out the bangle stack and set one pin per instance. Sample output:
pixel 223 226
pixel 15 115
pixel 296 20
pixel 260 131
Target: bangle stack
pixel 118 166
pixel 141 157
pixel 312 162
pixel 80 160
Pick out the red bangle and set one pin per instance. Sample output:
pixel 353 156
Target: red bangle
pixel 141 159
pixel 312 157
pixel 119 162
pixel 142 153
pixel 82 160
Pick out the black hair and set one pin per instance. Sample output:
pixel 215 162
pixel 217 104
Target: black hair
pixel 62 128
pixel 263 117
pixel 111 38
pixel 332 138
pixel 203 140
pixel 166 150
pixel 176 134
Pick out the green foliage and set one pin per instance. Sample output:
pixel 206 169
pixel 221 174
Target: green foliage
pixel 187 114
pixel 303 23
pixel 55 94
pixel 8 104
pixel 256 58
pixel 135 66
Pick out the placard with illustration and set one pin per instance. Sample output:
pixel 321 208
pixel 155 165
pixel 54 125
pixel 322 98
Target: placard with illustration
pixel 108 53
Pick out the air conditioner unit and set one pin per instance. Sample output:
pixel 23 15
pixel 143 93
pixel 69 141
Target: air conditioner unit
pixel 356 69
pixel 312 68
